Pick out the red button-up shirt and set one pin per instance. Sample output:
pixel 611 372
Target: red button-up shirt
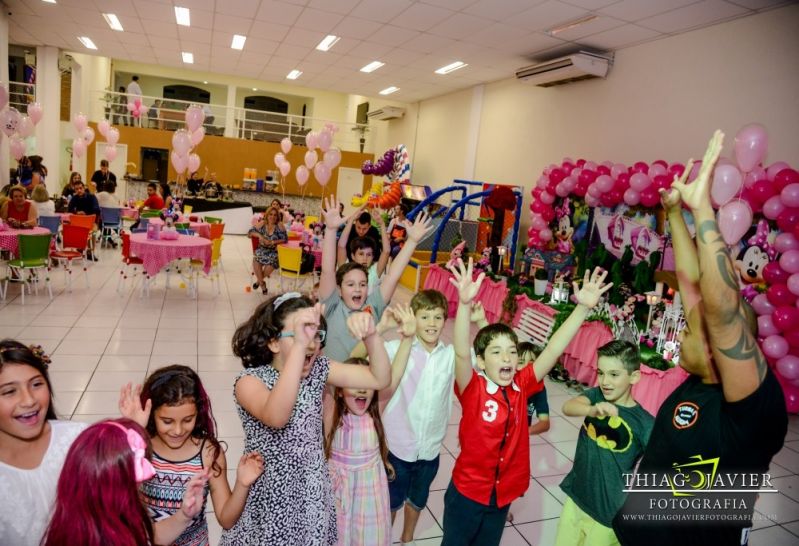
pixel 495 446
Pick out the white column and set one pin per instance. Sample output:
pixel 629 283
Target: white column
pixel 76 101
pixel 230 112
pixel 473 137
pixel 5 164
pixel 48 131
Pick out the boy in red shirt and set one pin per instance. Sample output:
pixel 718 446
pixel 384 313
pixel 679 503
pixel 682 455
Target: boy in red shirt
pixel 493 468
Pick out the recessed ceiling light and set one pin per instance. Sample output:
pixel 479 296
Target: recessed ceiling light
pixel 49 1
pixel 371 67
pixel 389 90
pixel 255 89
pixel 294 74
pixel 183 16
pixel 87 42
pixel 113 21
pixel 238 41
pixel 328 42
pixel 451 67
pixel 205 82
pixel 570 25
pixel 188 58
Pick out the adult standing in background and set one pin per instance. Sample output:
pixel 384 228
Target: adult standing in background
pixel 38 171
pixel 134 92
pixel 103 177
pixel 120 108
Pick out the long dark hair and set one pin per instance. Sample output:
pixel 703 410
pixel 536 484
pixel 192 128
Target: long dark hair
pixel 14 352
pixel 373 410
pixel 251 338
pixel 173 386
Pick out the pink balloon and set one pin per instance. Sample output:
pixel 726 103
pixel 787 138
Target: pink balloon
pixel 775 168
pixel 751 143
pixel 322 173
pixel 617 169
pixel 604 182
pixel 194 117
pixel 80 122
pixel 786 318
pixel 590 165
pixel 88 135
pixel 279 159
pixel 650 197
pixel 137 102
pixel 735 219
pixel 761 305
pixel 639 182
pixel 132 107
pixel 778 294
pixel 774 274
pixel 547 198
pixel 793 284
pixel 561 190
pixel 542 182
pixel 110 152
pixel 324 140
pixel 788 366
pixel 773 207
pixel 775 346
pixel 632 197
pixel 789 261
pixel 178 161
pixel 302 175
pixel 790 195
pixel 765 326
pixel 594 191
pixel 332 158
pixel 538 223
pixel 757 173
pixel 17 147
pixel 545 235
pixel 103 126
pixel 285 145
pixel 197 136
pixel 785 242
pixel 285 168
pixel 656 169
pixel 25 126
pixel 311 140
pixel 112 135
pixel 311 158
pixel 591 201
pixel 181 142
pixel 726 184
pixel 78 147
pixel 9 119
pixel 570 182
pixel 193 163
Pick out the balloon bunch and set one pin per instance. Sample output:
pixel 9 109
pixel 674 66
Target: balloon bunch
pixel 383 166
pixel 184 140
pixel 111 135
pixel 322 169
pixel 394 165
pixel 84 135
pixel 137 108
pixel 17 127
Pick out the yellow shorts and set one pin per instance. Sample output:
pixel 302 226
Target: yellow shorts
pixel 576 528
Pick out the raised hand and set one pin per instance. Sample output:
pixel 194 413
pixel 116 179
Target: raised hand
pixel 193 495
pixel 361 325
pixel 388 320
pixel 421 226
pixel 670 198
pixel 333 220
pixel 478 313
pixel 467 288
pixel 251 466
pixel 130 405
pixel 404 314
pixel 697 194
pixel 306 324
pixel 592 290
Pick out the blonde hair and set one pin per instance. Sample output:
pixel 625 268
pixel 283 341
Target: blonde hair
pixel 40 194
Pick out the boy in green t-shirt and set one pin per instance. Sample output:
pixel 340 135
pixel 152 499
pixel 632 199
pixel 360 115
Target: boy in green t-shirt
pixel 613 436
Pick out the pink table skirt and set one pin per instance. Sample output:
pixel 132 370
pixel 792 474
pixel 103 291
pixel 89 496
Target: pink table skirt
pixel 492 294
pixel 201 228
pixel 9 238
pixel 156 254
pixel 656 385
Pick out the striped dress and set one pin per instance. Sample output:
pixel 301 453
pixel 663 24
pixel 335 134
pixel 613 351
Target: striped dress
pixel 360 487
pixel 163 495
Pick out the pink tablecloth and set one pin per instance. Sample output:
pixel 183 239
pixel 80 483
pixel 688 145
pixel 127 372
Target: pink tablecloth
pixel 201 228
pixel 9 238
pixel 580 358
pixel 155 254
pixel 492 294
pixel 130 213
pixel 656 385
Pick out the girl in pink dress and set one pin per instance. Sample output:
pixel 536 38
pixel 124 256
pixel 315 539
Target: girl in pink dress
pixel 357 453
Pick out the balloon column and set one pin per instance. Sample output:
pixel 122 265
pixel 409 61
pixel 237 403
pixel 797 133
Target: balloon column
pixel 111 135
pixel 185 140
pixel 84 135
pixel 396 167
pixel 739 191
pixel 137 108
pixel 17 127
pixel 322 168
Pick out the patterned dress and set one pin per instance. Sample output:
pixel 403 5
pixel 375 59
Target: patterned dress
pixel 291 503
pixel 268 255
pixel 360 487
pixel 163 495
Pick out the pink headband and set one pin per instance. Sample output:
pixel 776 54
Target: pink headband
pixel 142 468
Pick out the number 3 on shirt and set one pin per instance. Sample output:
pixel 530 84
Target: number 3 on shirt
pixel 490 414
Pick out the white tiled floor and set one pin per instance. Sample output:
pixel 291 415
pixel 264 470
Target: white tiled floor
pixel 100 339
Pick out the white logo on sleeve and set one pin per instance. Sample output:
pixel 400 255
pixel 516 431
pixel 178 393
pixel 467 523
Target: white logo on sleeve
pixel 491 411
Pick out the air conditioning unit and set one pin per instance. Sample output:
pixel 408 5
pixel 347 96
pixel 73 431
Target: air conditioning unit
pixel 576 67
pixel 386 112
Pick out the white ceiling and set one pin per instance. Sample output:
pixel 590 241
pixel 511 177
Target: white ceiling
pixel 495 37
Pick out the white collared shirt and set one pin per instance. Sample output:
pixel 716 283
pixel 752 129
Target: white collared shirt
pixel 491 387
pixel 415 419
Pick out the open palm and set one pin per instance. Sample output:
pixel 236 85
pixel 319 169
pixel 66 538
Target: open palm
pixel 420 227
pixel 697 194
pixel 467 288
pixel 330 212
pixel 592 289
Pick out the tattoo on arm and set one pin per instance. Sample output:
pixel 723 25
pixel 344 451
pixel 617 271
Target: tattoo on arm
pixel 708 233
pixel 726 271
pixel 746 348
pixel 707 229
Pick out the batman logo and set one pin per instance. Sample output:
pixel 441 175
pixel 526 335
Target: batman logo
pixel 611 433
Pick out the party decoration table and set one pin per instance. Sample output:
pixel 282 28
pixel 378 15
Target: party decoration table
pixel 157 254
pixel 9 238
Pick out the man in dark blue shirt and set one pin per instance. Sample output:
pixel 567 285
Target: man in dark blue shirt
pixel 83 202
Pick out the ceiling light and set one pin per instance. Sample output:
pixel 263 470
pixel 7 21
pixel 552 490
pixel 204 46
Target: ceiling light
pixel 255 89
pixel 238 41
pixel 183 16
pixel 294 74
pixel 328 42
pixel 570 25
pixel 371 67
pixel 205 82
pixel 87 42
pixel 49 1
pixel 188 58
pixel 389 90
pixel 113 21
pixel 451 67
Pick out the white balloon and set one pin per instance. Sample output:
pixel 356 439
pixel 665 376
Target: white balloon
pixel 111 152
pixel 79 147
pixel 112 135
pixel 102 126
pixel 25 127
pixel 80 122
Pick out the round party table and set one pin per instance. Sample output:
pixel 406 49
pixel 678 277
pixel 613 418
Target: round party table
pixel 202 229
pixel 9 238
pixel 155 254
